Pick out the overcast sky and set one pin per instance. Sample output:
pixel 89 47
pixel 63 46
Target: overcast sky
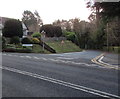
pixel 49 10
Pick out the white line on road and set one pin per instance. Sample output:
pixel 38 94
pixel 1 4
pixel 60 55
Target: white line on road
pixel 28 57
pixel 65 58
pixel 36 57
pixel 59 61
pixel 60 82
pixel 100 60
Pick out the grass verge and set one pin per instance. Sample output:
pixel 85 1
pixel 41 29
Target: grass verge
pixel 65 47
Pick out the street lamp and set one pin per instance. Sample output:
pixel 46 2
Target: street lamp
pixel 107 38
pixel 42 38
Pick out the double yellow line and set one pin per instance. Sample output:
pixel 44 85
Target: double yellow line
pixel 95 60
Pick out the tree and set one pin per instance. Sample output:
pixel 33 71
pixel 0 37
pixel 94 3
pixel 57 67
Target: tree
pixel 15 40
pixel 32 20
pixel 106 17
pixel 12 28
pixel 39 20
pixel 102 10
pixel 51 31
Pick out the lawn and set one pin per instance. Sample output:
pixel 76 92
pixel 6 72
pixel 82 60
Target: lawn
pixel 65 47
pixel 38 49
pixel 19 48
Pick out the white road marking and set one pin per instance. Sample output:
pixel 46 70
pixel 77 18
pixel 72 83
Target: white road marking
pixel 36 57
pixel 100 60
pixel 59 61
pixel 60 82
pixel 21 56
pixel 28 56
pixel 65 58
pixel 44 58
pixel 10 55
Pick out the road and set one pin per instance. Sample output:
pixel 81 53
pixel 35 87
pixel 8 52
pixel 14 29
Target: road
pixel 57 75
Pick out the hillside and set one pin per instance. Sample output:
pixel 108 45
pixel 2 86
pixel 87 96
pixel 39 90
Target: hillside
pixel 65 47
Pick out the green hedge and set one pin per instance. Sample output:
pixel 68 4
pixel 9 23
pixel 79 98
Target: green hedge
pixel 115 49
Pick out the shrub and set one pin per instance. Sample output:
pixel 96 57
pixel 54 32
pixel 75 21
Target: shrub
pixel 15 40
pixel 35 40
pixel 70 36
pixel 26 41
pixel 12 27
pixel 36 34
pixel 3 42
pixel 24 50
pixel 9 50
pixel 51 30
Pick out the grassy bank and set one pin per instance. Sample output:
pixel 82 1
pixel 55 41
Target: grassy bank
pixel 114 49
pixel 66 46
pixel 20 49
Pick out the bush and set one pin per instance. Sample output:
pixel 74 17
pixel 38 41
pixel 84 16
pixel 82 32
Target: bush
pixel 12 27
pixel 3 42
pixel 9 50
pixel 35 40
pixel 51 30
pixel 70 36
pixel 15 40
pixel 26 41
pixel 24 50
pixel 36 34
pixel 115 49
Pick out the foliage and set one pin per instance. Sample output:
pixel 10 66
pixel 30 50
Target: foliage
pixel 36 34
pixel 70 36
pixel 12 28
pixel 3 42
pixel 51 31
pixel 35 40
pixel 106 18
pixel 32 19
pixel 15 40
pixel 115 49
pixel 102 10
pixel 26 41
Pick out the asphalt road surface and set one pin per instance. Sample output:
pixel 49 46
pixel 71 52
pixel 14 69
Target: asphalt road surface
pixel 57 75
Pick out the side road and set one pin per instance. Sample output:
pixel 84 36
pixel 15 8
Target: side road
pixel 108 60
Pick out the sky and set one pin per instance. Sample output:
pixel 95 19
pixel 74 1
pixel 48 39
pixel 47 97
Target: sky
pixel 49 10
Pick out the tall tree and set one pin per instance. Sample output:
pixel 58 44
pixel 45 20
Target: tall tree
pixel 12 28
pixel 32 20
pixel 39 20
pixel 51 30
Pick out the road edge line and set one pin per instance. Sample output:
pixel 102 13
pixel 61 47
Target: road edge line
pixel 99 61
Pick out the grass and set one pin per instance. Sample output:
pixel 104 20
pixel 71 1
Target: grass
pixel 114 49
pixel 35 49
pixel 39 49
pixel 67 46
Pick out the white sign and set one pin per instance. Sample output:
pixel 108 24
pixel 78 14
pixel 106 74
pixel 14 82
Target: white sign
pixel 27 44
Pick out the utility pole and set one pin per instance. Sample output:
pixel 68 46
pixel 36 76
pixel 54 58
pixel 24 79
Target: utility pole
pixel 107 39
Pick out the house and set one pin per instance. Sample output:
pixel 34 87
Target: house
pixel 4 19
pixel 1 26
pixel 25 30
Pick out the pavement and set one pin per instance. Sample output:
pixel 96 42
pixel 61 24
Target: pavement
pixel 58 75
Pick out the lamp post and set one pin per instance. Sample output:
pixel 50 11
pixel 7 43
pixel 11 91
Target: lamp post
pixel 107 38
pixel 42 38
